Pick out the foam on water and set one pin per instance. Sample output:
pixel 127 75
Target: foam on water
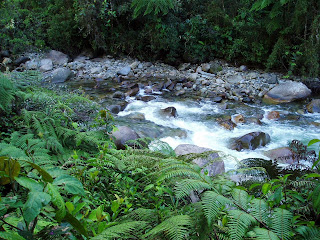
pixel 207 133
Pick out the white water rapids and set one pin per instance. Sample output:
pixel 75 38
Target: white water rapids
pixel 205 132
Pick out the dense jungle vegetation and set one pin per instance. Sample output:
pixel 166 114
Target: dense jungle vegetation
pixel 61 176
pixel 273 34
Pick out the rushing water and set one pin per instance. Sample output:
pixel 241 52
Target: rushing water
pixel 198 119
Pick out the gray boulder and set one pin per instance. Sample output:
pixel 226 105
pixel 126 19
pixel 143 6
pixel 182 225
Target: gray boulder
pixel 208 162
pixel 119 95
pixel 21 60
pixel 57 57
pixel 46 65
pixel 251 141
pixel 314 106
pixel 282 155
pixel 169 112
pixel 287 92
pixel 124 71
pixel 61 75
pixel 123 135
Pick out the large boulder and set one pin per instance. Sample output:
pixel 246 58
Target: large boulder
pixel 282 155
pixel 57 57
pixel 314 106
pixel 61 75
pixel 251 141
pixel 46 65
pixel 287 92
pixel 169 112
pixel 209 162
pixel 122 135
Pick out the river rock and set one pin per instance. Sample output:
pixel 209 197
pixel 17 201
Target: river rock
pixel 46 65
pixel 96 70
pixel 132 92
pixel 32 64
pixel 205 67
pixel 282 155
pixel 115 109
pixel 287 92
pixel 238 119
pixel 134 64
pixel 57 57
pixel 235 79
pixel 192 77
pixel 21 60
pixel 251 141
pixel 124 71
pixel 122 135
pixel 146 98
pixel 210 162
pixel 4 53
pixel 6 61
pixel 243 68
pixel 61 75
pixel 169 112
pixel 136 116
pixel 273 115
pixel 314 106
pixel 119 95
pixel 226 123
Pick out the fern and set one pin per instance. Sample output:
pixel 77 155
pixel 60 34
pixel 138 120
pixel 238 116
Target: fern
pixel 240 197
pixel 264 234
pixel 126 230
pixel 239 223
pixel 186 186
pixel 212 203
pixel 281 223
pixel 7 92
pixel 151 7
pixel 174 228
pixel 309 233
pixel 260 210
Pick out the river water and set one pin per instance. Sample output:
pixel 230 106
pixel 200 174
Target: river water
pixel 198 120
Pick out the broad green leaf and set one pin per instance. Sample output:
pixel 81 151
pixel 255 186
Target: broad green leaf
pixel 266 187
pixel 70 206
pixel 313 141
pixel 57 201
pixel 70 184
pixel 31 184
pixel 76 224
pixel 35 202
pixel 312 175
pixel 10 168
pixel 11 236
pixel 115 206
pixel 45 175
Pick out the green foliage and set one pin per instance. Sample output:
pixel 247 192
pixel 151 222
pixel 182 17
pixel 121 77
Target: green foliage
pixel 153 7
pixel 7 91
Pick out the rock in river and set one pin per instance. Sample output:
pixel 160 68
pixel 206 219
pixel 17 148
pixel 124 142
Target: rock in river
pixel 209 162
pixel 251 141
pixel 287 92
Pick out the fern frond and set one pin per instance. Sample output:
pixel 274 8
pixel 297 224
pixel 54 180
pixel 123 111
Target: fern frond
pixel 239 223
pixel 142 214
pixel 186 186
pixel 264 234
pixel 174 228
pixel 6 92
pixel 309 233
pixel 240 197
pixel 259 209
pixel 126 230
pixel 281 223
pixel 212 204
